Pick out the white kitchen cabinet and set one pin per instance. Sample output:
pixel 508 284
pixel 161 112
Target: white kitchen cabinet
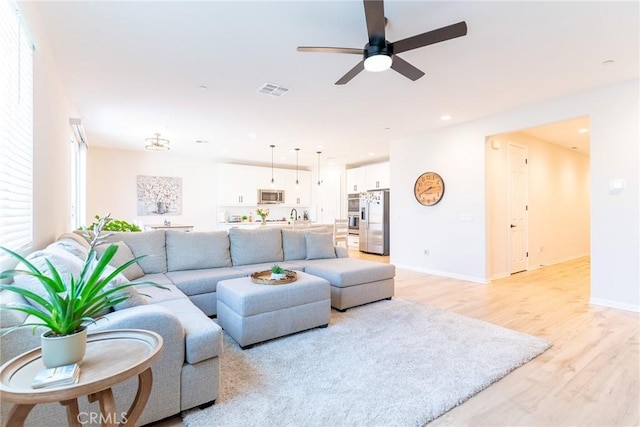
pixel 263 178
pixel 353 241
pixel 356 180
pixel 369 177
pixel 300 194
pixel 237 185
pixel 377 176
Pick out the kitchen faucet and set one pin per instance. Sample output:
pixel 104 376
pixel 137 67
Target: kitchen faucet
pixel 295 218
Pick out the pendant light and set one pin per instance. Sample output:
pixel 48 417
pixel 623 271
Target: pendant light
pixel 272 181
pixel 297 182
pixel 319 180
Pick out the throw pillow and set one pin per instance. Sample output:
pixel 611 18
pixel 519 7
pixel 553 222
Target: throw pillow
pixel 151 244
pixel 320 246
pixel 197 250
pixel 256 246
pixel 66 264
pixel 71 246
pixel 294 244
pixel 77 237
pixel 122 255
pixel 133 297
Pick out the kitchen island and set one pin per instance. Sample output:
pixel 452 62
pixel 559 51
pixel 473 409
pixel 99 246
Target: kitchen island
pixel 280 224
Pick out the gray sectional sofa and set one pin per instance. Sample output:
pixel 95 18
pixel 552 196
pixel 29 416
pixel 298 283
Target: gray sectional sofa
pixel 190 265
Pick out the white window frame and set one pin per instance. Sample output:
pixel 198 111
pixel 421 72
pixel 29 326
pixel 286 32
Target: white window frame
pixel 78 174
pixel 16 136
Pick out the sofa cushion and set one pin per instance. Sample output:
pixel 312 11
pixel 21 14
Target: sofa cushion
pixel 11 318
pixel 344 272
pixel 203 337
pixel 154 295
pixel 122 255
pixel 76 236
pixel 255 246
pixel 196 250
pixel 195 282
pixel 66 265
pixel 294 244
pixel 150 244
pixel 133 298
pixel 71 246
pixel 320 245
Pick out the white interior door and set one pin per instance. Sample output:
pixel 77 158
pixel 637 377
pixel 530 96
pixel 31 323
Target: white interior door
pixel 518 173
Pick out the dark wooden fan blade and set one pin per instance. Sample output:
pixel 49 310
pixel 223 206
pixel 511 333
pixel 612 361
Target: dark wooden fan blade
pixel 374 14
pixel 331 50
pixel 406 69
pixel 352 73
pixel 430 37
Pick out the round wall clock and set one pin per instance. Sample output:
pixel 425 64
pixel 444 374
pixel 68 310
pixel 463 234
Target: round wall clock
pixel 429 188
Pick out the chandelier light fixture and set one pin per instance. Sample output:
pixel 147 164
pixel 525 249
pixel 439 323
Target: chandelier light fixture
pixel 272 147
pixel 156 143
pixel 297 182
pixel 319 180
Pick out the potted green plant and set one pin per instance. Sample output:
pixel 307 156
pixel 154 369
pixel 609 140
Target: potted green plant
pixel 69 306
pixel 278 273
pixel 115 225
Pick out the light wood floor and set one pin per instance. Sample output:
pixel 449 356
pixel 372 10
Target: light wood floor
pixel 590 377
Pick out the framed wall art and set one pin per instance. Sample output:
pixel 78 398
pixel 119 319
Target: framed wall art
pixel 159 195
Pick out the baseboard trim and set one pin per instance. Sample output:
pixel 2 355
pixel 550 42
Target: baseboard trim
pixel 481 281
pixel 614 304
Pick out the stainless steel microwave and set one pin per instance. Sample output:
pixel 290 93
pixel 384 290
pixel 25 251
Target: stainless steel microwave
pixel 270 196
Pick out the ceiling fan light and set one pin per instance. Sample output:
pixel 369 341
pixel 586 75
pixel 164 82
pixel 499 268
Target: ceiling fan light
pixel 379 62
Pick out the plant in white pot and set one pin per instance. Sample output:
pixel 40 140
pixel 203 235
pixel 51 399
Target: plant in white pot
pixel 278 273
pixel 69 305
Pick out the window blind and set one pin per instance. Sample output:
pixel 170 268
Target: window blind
pixel 16 138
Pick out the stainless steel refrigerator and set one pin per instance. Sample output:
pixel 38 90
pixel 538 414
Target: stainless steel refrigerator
pixel 374 222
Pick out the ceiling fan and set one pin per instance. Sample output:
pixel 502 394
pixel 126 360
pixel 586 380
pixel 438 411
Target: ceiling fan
pixel 380 54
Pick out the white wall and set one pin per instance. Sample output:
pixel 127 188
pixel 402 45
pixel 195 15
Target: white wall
pixel 51 145
pixel 458 248
pixel 111 183
pixel 558 200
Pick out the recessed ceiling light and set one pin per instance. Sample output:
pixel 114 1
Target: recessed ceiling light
pixel 372 154
pixel 583 130
pixel 607 62
pixel 253 136
pixel 445 117
pixel 201 141
pixel 203 87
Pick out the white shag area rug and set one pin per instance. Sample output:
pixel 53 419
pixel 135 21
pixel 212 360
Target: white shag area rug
pixel 390 363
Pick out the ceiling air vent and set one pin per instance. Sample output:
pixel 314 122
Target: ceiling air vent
pixel 273 90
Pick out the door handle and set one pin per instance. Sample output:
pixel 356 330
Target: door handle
pixel 513 226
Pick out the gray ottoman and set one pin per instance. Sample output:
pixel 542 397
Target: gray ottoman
pixel 354 281
pixel 252 313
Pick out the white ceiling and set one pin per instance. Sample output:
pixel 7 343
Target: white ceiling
pixel 135 68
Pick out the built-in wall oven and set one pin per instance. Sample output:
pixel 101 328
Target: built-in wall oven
pixel 353 213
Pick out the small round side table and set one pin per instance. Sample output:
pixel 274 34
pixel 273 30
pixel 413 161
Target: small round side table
pixel 112 357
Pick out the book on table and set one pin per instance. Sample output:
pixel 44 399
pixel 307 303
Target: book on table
pixel 55 377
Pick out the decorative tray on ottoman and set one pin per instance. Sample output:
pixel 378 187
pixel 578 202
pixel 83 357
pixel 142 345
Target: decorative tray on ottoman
pixel 264 278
